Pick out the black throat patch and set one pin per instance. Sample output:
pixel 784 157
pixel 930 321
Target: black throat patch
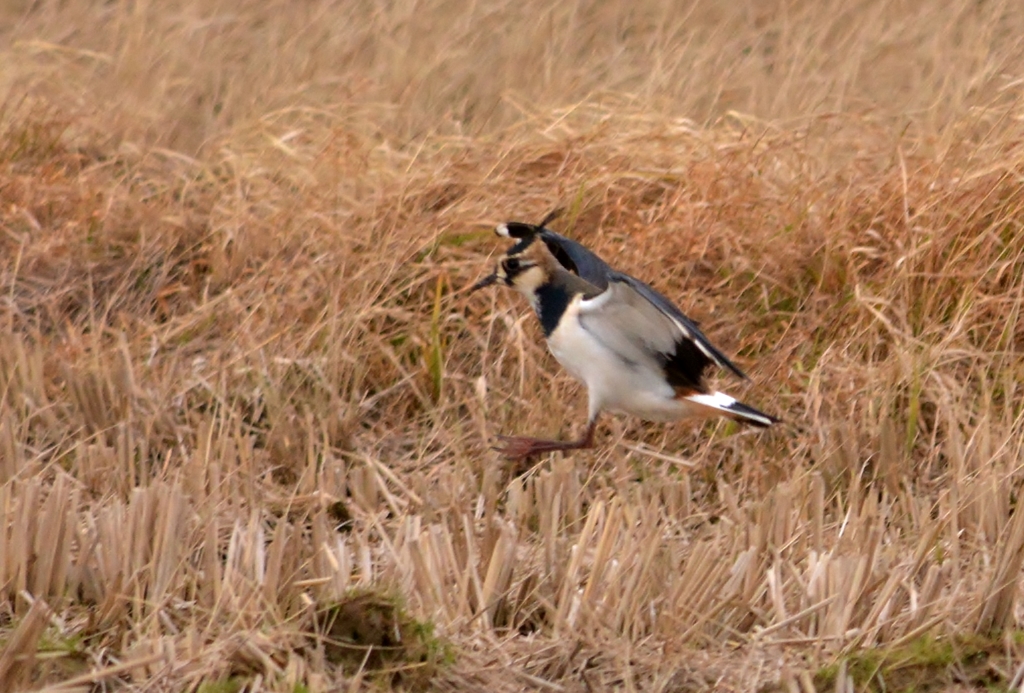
pixel 552 300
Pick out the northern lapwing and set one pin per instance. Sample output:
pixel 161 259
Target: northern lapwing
pixel 636 352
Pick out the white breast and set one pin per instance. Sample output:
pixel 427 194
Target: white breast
pixel 612 383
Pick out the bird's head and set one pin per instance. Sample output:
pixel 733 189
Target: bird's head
pixel 525 267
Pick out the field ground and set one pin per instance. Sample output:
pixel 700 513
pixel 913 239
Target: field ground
pixel 246 405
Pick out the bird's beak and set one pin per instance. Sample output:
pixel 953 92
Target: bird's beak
pixel 485 282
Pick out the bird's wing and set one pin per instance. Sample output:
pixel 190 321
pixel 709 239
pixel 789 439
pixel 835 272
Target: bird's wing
pixel 577 259
pixel 640 332
pixel 686 326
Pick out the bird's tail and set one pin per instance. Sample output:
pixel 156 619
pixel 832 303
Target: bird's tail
pixel 729 406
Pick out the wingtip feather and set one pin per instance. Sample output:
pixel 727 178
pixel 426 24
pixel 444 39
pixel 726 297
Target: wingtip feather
pixel 752 416
pixel 735 409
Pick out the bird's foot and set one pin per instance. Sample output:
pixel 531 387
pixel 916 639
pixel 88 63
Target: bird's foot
pixel 522 448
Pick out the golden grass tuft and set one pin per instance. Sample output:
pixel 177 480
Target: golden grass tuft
pixel 244 395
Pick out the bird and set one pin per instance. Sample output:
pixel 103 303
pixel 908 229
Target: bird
pixel 633 349
pixel 580 260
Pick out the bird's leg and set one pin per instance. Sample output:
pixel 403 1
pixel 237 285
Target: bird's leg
pixel 522 448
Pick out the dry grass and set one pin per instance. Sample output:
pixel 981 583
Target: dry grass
pixel 245 405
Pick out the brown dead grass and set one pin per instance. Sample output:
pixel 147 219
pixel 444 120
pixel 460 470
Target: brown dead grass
pixel 241 386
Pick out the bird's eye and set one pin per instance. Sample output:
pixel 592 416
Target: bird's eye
pixel 511 265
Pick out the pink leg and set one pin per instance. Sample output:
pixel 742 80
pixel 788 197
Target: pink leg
pixel 522 448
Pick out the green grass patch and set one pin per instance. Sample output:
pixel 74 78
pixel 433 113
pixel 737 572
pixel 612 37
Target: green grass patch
pixel 924 664
pixel 232 684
